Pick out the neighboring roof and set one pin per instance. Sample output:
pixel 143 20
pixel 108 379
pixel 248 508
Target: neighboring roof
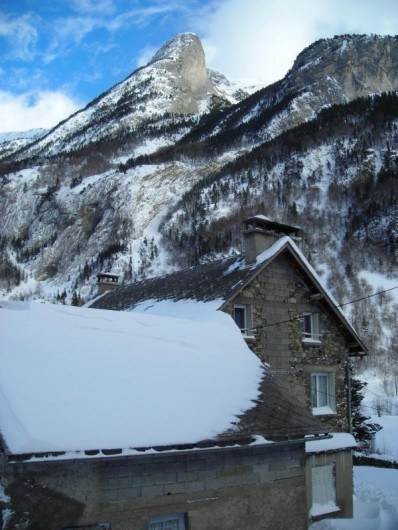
pixel 216 280
pixel 338 441
pixel 77 379
pixel 221 281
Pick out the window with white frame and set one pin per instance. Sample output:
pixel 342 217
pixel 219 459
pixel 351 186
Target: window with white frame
pixel 323 489
pixel 323 399
pixel 243 319
pixel 168 522
pixel 311 331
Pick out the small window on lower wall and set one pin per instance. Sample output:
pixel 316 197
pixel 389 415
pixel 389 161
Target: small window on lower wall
pixel 168 522
pixel 323 490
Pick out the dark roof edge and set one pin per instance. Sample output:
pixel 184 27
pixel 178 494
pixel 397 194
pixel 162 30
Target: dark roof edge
pixel 205 445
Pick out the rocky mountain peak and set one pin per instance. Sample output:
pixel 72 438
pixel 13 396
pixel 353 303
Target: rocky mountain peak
pixel 357 64
pixel 184 56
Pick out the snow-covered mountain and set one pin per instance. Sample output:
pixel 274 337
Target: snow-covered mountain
pixel 160 170
pixel 14 141
pixel 154 106
pixel 329 72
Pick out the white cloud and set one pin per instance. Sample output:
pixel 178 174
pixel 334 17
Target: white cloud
pixel 34 110
pixel 21 34
pixel 94 6
pixel 261 38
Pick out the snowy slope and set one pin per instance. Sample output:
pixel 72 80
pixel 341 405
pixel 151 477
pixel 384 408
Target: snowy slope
pixel 14 141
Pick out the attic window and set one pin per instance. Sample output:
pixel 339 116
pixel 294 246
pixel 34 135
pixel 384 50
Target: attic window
pixel 311 332
pixel 243 319
pixel 168 522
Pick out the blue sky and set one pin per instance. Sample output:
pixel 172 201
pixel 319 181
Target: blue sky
pixel 57 55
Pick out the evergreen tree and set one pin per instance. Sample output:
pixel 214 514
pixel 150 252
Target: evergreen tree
pixel 363 430
pixel 75 299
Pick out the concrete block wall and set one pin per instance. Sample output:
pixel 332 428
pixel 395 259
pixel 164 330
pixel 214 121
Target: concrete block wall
pixel 127 491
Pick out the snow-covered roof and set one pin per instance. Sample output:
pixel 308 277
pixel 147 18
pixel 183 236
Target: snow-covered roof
pixel 337 441
pixel 76 379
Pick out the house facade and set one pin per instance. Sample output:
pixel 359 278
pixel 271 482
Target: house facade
pixel 288 318
pixel 291 322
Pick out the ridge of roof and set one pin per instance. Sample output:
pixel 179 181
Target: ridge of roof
pixel 217 280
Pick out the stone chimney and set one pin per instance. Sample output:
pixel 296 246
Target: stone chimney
pixel 107 281
pixel 260 233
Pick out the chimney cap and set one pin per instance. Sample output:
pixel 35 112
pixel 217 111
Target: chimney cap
pixel 261 222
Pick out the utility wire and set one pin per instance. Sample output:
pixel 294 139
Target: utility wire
pixel 318 312
pixel 387 400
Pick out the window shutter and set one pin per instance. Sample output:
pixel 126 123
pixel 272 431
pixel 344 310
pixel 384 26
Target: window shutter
pixel 323 484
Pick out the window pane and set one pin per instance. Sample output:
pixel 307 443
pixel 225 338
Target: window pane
pixel 322 390
pixel 239 316
pixel 172 525
pixel 315 325
pixel 314 389
pixel 307 325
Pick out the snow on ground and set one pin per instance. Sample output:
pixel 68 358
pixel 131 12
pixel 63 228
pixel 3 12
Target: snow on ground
pixel 386 440
pixel 380 282
pixel 381 409
pixel 375 502
pixel 79 378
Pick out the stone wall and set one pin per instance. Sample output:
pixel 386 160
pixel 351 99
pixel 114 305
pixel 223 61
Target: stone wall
pixel 256 487
pixel 279 296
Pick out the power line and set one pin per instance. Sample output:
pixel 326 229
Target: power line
pixel 318 312
pixel 368 296
pixel 387 400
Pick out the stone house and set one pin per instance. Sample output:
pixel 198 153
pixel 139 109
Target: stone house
pixel 113 420
pixel 286 316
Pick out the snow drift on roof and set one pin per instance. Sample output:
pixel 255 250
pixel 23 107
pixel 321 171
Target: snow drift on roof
pixel 78 378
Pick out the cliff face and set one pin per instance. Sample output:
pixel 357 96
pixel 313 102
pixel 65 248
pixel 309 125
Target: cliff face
pixel 357 65
pixel 184 58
